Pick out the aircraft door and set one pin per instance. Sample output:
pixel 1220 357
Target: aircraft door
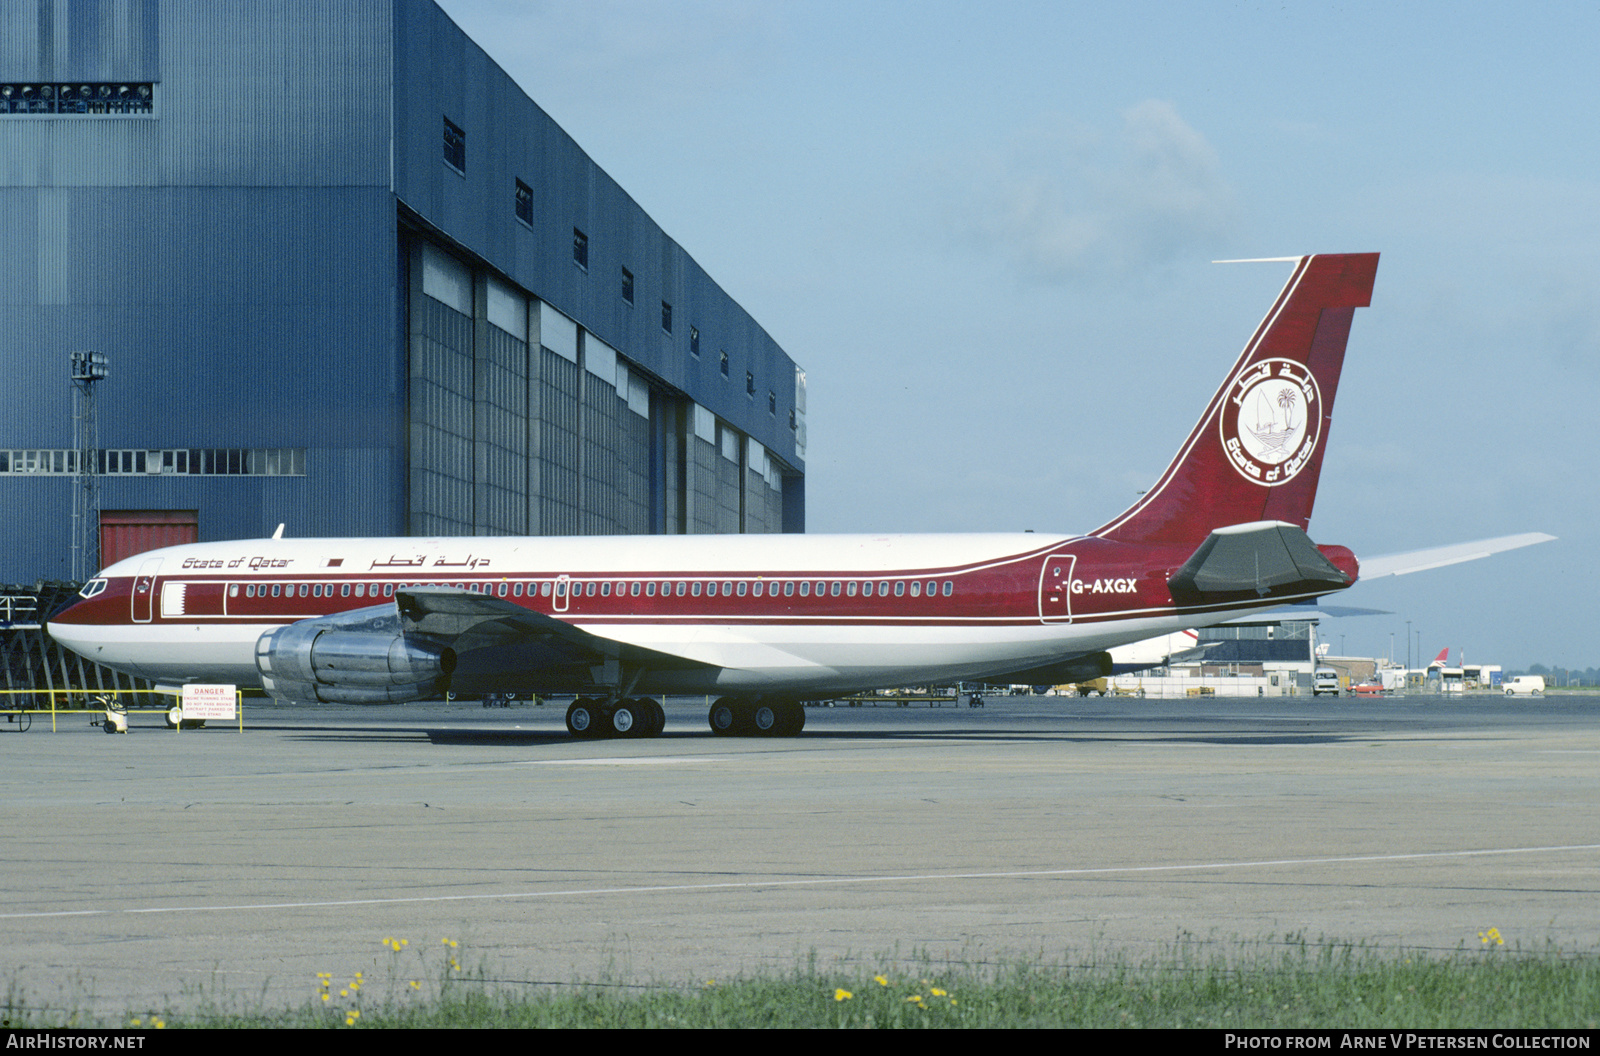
pixel 1055 588
pixel 562 593
pixel 144 590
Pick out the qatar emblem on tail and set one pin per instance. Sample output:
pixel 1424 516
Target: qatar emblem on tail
pixel 764 622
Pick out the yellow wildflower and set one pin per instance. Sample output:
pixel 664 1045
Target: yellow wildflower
pixel 880 980
pixel 842 995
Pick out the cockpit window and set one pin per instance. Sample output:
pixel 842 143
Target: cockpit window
pixel 92 588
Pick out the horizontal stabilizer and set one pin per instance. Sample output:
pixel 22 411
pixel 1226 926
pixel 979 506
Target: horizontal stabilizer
pixel 1262 557
pixel 1440 556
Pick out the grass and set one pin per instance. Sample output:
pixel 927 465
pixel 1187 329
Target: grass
pixel 1293 983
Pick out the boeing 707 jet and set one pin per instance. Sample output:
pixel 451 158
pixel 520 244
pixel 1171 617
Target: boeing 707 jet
pixel 763 622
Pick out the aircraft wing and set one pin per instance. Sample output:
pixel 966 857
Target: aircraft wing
pixel 469 622
pixel 1440 556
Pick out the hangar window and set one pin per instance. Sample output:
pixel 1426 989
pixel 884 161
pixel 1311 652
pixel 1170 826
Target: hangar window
pixel 666 317
pixel 524 203
pixel 724 364
pixel 694 341
pixel 627 285
pixel 749 383
pixel 580 249
pixel 772 403
pixel 455 147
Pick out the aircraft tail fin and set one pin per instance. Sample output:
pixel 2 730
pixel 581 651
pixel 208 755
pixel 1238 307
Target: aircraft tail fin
pixel 1256 453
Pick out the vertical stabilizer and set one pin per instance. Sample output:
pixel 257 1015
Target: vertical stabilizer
pixel 1256 453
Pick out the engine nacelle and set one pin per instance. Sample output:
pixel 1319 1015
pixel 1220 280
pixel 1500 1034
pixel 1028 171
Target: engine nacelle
pixel 359 657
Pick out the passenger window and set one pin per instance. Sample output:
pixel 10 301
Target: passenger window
pixel 650 589
pixel 727 588
pixel 681 587
pixel 344 590
pixel 388 590
pixel 695 590
pixel 899 588
pixel 634 590
pixel 805 588
pixel 949 588
pixel 932 588
pixel 303 590
pixel 544 589
pixel 742 586
pixel 788 589
pixel 834 590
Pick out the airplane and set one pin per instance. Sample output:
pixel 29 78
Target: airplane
pixel 764 622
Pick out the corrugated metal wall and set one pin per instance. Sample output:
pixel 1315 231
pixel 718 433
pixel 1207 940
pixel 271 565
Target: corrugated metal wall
pixel 238 256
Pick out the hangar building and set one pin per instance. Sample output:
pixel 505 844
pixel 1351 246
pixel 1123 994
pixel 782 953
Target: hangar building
pixel 347 276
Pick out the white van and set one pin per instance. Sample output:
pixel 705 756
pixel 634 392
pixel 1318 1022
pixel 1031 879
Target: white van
pixel 1327 681
pixel 1526 686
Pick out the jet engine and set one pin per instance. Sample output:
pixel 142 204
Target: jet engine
pixel 358 657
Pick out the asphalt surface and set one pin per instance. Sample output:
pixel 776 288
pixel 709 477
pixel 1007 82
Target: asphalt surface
pixel 151 869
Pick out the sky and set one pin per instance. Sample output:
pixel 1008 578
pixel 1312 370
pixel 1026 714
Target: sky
pixel 986 231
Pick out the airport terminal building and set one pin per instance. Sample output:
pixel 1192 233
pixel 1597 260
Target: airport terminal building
pixel 348 277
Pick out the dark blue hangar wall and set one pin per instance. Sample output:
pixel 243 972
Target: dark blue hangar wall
pixel 349 277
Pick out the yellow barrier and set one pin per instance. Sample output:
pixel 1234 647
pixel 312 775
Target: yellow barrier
pixel 93 701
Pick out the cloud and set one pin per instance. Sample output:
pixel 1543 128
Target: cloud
pixel 1065 200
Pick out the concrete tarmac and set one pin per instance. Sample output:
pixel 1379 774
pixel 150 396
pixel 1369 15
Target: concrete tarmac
pixel 142 871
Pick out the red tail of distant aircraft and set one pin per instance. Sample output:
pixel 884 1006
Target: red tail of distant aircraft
pixel 765 621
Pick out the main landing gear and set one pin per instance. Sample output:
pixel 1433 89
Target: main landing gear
pixel 733 717
pixel 594 717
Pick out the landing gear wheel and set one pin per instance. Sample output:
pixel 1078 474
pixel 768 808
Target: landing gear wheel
pixel 764 720
pixel 788 718
pixel 727 717
pixel 623 719
pixel 583 719
pixel 792 718
pixel 655 717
